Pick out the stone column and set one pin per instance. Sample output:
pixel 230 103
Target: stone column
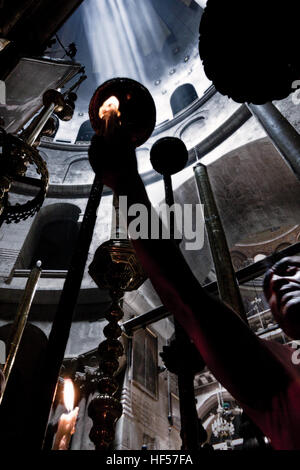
pixel 227 283
pixel 282 134
pixel 202 3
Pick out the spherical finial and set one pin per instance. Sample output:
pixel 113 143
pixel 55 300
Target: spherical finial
pixel 168 155
pixel 131 103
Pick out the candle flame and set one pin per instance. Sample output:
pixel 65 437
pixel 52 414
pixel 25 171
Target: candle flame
pixel 110 107
pixel 69 394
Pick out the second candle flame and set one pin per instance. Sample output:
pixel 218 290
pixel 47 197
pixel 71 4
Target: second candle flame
pixel 69 394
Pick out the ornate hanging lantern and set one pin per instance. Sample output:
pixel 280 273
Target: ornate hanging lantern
pixel 250 49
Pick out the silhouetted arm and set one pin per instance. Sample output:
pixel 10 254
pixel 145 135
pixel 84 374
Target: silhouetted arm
pixel 233 353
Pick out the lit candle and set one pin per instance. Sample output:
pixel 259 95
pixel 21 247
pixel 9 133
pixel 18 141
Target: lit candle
pixel 66 424
pixel 110 114
pixel 110 106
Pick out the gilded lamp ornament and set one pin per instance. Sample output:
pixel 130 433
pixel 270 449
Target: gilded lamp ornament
pixel 16 156
pixel 119 106
pixel 115 267
pixel 18 152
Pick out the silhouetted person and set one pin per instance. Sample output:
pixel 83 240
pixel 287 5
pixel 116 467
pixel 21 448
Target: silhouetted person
pixel 18 411
pixel 259 374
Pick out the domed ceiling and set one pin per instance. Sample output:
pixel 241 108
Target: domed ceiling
pixel 152 41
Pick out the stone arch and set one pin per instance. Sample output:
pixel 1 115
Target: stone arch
pixel 143 159
pixel 282 246
pixel 182 97
pixel 239 259
pixel 260 255
pixel 85 132
pixel 191 131
pixel 79 171
pixel 53 235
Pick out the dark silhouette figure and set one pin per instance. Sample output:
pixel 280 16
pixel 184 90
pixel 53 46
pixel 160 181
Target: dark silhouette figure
pixel 261 375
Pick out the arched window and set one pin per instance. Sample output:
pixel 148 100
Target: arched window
pixel 52 238
pixel 144 361
pixel 79 172
pixel 182 97
pixel 238 260
pixel 282 246
pixel 85 132
pixel 259 257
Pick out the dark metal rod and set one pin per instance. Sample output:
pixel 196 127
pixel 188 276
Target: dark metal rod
pixel 59 334
pixel 20 321
pixel 35 182
pixel 169 196
pixel 227 281
pixel 189 432
pixel 37 125
pixel 2 218
pixel 169 190
pixel 170 409
pixel 188 411
pixel 281 133
pixel 145 319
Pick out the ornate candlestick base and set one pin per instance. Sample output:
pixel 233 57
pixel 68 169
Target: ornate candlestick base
pixel 114 267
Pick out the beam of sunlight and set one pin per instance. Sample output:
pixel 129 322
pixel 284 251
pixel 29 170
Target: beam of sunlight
pixel 121 35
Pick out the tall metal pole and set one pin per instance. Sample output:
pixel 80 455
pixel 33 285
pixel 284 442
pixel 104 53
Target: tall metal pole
pixel 168 156
pixel 189 432
pixel 59 335
pixel 227 282
pixel 20 321
pixel 282 134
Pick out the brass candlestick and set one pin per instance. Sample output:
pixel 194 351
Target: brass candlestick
pixel 118 105
pixel 115 267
